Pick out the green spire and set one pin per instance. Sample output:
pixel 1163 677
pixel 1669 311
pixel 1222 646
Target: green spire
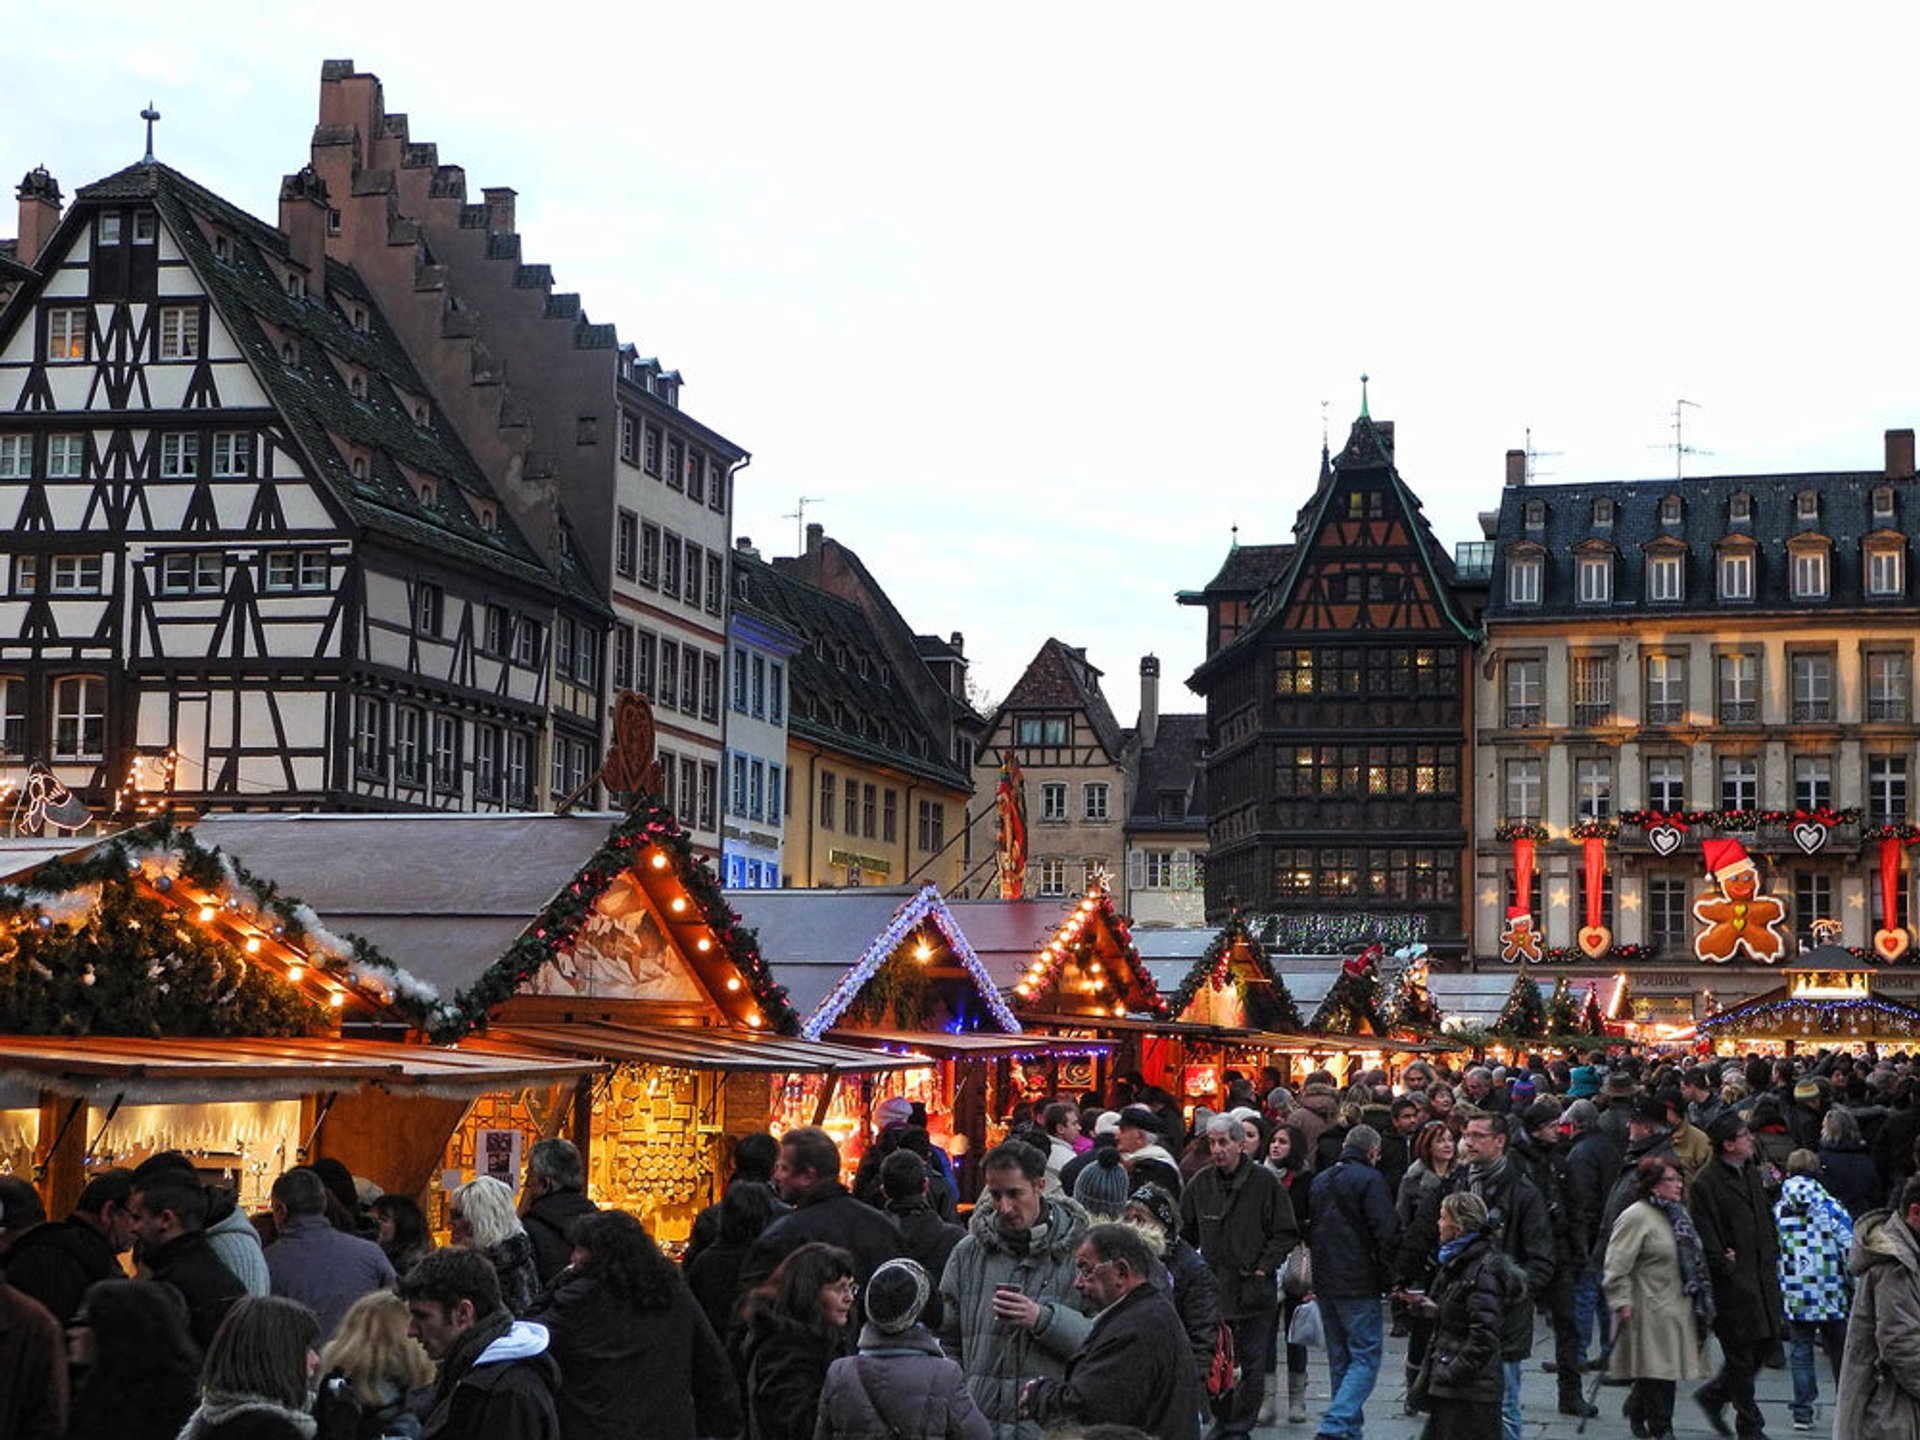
pixel 1363 397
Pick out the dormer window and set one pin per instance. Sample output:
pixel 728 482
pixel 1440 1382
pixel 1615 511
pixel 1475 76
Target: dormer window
pixel 1736 574
pixel 333 221
pixel 1666 578
pixel 1594 576
pixel 1806 505
pixel 1886 568
pixel 1740 509
pixel 489 517
pixel 222 247
pixel 1535 515
pixel 1883 502
pixel 1810 572
pixel 359 315
pixel 1670 513
pixel 1524 573
pixel 1602 512
pixel 420 412
pixel 357 384
pixel 296 285
pixel 428 491
pixel 288 355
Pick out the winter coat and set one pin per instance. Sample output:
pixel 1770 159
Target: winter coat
pixel 1546 1167
pixel 325 1269
pixel 1893 1146
pixel 496 1383
pixel 1663 1340
pixel 512 1258
pixel 1060 1154
pixel 786 1367
pixel 628 1373
pixel 1313 1113
pixel 1151 1164
pixel 1879 1393
pixel 1135 1369
pixel 237 1243
pixel 1354 1231
pixel 1243 1225
pixel 899 1387
pixel 998 1359
pixel 714 1279
pixel 1516 1219
pixel 927 1239
pixel 1195 1295
pixel 1414 1186
pixel 132 1406
pixel 547 1221
pixel 1851 1177
pixel 1691 1151
pixel 56 1262
pixel 342 1415
pixel 33 1369
pixel 1622 1194
pixel 187 1263
pixel 1815 1238
pixel 1593 1163
pixel 1470 1292
pixel 830 1214
pixel 246 1417
pixel 1729 1209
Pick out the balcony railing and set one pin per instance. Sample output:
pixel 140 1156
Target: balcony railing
pixel 1593 713
pixel 1812 712
pixel 1665 712
pixel 1739 712
pixel 1887 710
pixel 1523 717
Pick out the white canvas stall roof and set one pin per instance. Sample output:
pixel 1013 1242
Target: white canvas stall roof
pixel 22 853
pixel 1005 933
pixel 442 895
pixel 812 938
pixel 1477 1000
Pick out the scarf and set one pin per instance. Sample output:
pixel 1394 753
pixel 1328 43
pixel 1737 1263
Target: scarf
pixel 219 1406
pixel 1693 1260
pixel 1453 1247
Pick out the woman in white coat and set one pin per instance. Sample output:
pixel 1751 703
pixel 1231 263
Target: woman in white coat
pixel 1658 1289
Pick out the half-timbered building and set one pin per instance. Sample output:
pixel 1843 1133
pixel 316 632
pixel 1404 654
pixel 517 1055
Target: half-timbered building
pixel 241 537
pixel 1336 684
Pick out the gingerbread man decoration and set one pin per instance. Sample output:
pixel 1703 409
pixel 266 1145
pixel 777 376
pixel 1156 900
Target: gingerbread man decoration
pixel 1736 917
pixel 1519 941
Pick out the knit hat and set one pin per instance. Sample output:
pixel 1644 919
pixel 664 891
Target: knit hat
pixel 1522 1091
pixel 896 1293
pixel 1108 1123
pixel 1244 1113
pixel 1279 1098
pixel 1583 1082
pixel 1807 1090
pixel 1649 1110
pixel 1159 1204
pixel 1102 1185
pixel 894 1110
pixel 1540 1112
pixel 1139 1117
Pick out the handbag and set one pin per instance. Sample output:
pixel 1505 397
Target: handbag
pixel 1296 1274
pixel 1307 1328
pixel 1223 1373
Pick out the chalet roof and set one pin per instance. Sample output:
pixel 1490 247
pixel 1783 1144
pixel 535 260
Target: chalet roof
pixel 248 290
pixel 1060 677
pixel 1172 765
pixel 1249 569
pixel 843 694
pixel 1845 518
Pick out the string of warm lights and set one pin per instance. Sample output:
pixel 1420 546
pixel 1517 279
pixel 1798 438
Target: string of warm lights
pixel 923 907
pixel 1069 941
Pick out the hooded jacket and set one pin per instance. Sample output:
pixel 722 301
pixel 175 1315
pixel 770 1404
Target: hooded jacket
pixel 496 1383
pixel 236 1242
pixel 899 1387
pixel 996 1358
pixel 1879 1394
pixel 1815 1239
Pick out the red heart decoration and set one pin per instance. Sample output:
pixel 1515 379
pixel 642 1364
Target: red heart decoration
pixel 1891 944
pixel 1595 941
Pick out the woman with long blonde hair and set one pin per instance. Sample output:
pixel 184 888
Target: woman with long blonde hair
pixel 480 1216
pixel 370 1365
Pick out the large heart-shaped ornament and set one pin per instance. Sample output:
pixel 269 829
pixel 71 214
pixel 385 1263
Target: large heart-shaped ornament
pixel 1664 839
pixel 1809 836
pixel 1595 941
pixel 1891 944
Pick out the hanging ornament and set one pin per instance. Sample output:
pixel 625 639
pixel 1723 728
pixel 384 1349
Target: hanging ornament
pixel 1665 833
pixel 1810 836
pixel 1891 941
pixel 1595 938
pixel 1735 916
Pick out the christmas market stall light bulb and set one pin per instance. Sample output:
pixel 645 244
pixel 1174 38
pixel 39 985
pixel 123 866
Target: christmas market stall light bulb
pixel 703 944
pixel 678 904
pixel 923 952
pixel 733 982
pixel 659 859
pixel 338 999
pixel 207 912
pixel 253 944
pixel 295 973
pixel 754 1021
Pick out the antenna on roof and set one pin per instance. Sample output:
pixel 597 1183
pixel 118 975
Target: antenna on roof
pixel 1679 445
pixel 799 517
pixel 1533 454
pixel 1234 544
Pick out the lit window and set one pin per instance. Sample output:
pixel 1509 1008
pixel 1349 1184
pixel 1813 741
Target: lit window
pixel 79 717
pixel 67 333
pixel 179 332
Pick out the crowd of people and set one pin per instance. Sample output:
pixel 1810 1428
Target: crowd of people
pixel 1126 1269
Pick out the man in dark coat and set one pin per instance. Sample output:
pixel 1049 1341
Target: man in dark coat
pixel 1742 1249
pixel 807 1175
pixel 1134 1367
pixel 1354 1229
pixel 1541 1152
pixel 33 1368
pixel 56 1262
pixel 926 1238
pixel 1593 1164
pixel 557 1187
pixel 754 1157
pixel 1236 1213
pixel 496 1376
pixel 168 1210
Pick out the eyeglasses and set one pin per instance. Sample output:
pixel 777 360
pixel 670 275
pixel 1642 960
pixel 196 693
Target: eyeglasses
pixel 1083 1270
pixel 848 1287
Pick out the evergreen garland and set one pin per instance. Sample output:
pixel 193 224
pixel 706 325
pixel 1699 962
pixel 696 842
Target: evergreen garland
pixel 1270 1006
pixel 900 991
pixel 1524 1016
pixel 1409 1003
pixel 1563 1011
pixel 1352 1007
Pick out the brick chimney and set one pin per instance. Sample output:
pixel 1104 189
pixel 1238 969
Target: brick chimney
pixel 1899 452
pixel 40 199
pixel 303 217
pixel 1516 467
pixel 1149 726
pixel 816 537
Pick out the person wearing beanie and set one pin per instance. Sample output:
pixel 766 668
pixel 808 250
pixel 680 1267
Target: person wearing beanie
pixel 1105 1135
pixel 1103 1186
pixel 899 1386
pixel 1139 1139
pixel 1583 1082
pixel 1742 1248
pixel 1541 1148
pixel 1188 1281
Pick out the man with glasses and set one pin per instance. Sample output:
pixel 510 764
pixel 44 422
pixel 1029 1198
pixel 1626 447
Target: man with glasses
pixel 1136 1367
pixel 1742 1247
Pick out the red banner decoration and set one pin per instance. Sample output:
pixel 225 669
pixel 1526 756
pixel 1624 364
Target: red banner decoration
pixel 1520 941
pixel 1010 804
pixel 1523 874
pixel 1595 939
pixel 1891 940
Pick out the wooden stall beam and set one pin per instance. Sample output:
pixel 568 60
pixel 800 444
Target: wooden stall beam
pixel 60 1157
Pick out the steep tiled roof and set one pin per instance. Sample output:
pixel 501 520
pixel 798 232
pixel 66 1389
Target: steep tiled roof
pixel 1060 678
pixel 1845 517
pixel 843 695
pixel 1249 569
pixel 10 266
pixel 1172 765
pixel 247 289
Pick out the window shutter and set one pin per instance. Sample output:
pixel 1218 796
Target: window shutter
pixel 1136 870
pixel 1183 869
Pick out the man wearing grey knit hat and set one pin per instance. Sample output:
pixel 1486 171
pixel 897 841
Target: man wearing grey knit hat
pixel 899 1383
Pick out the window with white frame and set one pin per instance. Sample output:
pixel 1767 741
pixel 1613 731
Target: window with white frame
pixel 1739 508
pixel 16 457
pixel 1666 697
pixel 1053 800
pixel 79 717
pixel 670 553
pixel 77 574
pixel 1812 781
pixel 1664 579
pixel 1094 794
pixel 107 228
pixel 1886 571
pixel 26 574
pixel 145 227
pixel 1889 685
pixel 1526 685
pixel 645 650
pixel 232 453
pixel 1810 574
pixel 13 715
pixel 179 332
pixel 1593 788
pixel 429 607
pixel 668 692
pixel 776 692
pixel 409 744
pixel 1523 789
pixel 1052 878
pixel 1669 913
pixel 1739 677
pixel 446 755
pixel 649 555
pixel 626 544
pixel 288 571
pixel 1806 505
pixel 486 762
pixel 526 641
pixel 192 572
pixel 370 736
pixel 1666 783
pixel 1812 687
pixel 1670 510
pixel 66 333
pixel 179 457
pixel 1593 689
pixel 517 773
pixel 1883 502
pixel 1523 579
pixel 1736 575
pixel 696 568
pixel 1739 782
pixel 66 456
pixel 622 656
pixel 1887 790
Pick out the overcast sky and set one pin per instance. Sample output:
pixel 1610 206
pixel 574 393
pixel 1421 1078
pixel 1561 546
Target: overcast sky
pixel 1039 301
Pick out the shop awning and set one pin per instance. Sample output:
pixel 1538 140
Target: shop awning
pixel 973 1045
pixel 703 1048
pixel 1303 1042
pixel 182 1071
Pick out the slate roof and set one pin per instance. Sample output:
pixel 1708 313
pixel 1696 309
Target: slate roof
pixel 842 693
pixel 314 397
pixel 1060 678
pixel 1249 569
pixel 10 266
pixel 1172 763
pixel 1845 517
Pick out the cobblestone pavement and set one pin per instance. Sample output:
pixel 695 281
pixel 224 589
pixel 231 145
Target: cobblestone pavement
pixel 1540 1404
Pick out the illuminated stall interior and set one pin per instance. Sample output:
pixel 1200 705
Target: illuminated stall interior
pixel 1827 1001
